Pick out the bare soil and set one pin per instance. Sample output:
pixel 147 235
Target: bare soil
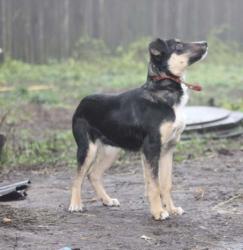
pixel 210 190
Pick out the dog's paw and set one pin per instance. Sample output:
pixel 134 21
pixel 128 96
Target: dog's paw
pixel 163 215
pixel 177 211
pixel 111 203
pixel 76 208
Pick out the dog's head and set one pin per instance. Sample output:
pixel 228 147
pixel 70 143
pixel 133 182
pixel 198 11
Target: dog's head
pixel 174 56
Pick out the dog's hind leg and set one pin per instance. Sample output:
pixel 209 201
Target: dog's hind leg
pixel 106 155
pixel 86 154
pixel 76 201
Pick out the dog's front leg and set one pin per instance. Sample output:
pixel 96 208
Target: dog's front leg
pixel 165 181
pixel 150 161
pixel 153 192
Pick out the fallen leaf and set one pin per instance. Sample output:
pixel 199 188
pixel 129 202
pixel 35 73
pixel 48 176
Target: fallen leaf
pixel 199 193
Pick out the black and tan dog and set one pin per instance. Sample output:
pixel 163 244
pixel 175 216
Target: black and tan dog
pixel 147 119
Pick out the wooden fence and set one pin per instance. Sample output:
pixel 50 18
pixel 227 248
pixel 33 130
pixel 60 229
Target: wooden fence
pixel 37 30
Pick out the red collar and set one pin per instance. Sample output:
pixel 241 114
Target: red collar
pixel 163 76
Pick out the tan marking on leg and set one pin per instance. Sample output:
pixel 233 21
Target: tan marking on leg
pixel 166 132
pixel 76 201
pixel 165 181
pixel 165 178
pixel 153 192
pixel 170 134
pixel 106 156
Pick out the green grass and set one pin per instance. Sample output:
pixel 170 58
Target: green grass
pixel 56 148
pixel 75 78
pixel 93 70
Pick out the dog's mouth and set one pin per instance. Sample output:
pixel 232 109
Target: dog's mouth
pixel 198 52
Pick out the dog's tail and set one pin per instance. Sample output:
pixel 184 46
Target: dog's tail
pixel 80 128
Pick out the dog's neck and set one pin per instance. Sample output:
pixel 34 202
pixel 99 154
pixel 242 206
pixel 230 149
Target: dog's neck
pixel 159 78
pixel 165 90
pixel 155 71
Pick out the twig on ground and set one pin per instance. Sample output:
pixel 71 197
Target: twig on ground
pixel 227 201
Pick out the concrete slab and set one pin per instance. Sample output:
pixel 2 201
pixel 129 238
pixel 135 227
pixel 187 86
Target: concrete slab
pixel 198 115
pixel 212 121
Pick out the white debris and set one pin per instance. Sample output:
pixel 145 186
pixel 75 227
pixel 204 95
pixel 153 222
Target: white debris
pixel 144 237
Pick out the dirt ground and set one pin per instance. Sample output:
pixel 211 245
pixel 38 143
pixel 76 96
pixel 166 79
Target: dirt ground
pixel 210 190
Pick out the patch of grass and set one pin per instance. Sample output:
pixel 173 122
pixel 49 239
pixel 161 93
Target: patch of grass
pixel 55 149
pixel 44 98
pixel 204 147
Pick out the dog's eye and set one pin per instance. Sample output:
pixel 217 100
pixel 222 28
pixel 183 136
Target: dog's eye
pixel 179 47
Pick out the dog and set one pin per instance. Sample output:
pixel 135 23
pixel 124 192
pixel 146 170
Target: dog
pixel 148 119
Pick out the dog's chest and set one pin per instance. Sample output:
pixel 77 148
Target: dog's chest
pixel 179 123
pixel 179 110
pixel 170 132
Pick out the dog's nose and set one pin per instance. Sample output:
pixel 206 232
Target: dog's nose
pixel 204 45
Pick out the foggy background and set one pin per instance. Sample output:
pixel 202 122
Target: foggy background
pixel 37 30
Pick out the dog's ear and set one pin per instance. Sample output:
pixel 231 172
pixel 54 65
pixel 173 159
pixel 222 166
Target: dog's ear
pixel 158 47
